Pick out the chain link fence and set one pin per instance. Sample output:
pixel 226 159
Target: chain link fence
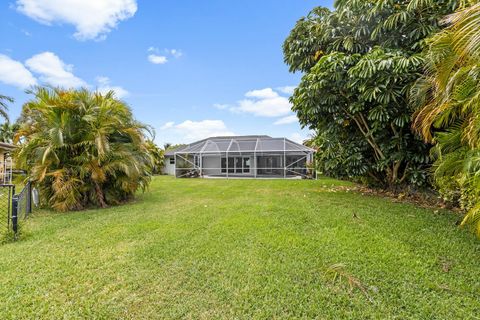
pixel 6 195
pixel 14 208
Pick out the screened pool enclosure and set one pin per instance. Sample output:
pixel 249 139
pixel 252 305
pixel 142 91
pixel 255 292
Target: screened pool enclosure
pixel 242 156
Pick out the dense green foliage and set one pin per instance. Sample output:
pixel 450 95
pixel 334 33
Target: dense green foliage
pixel 242 249
pixel 157 155
pixel 359 63
pixel 7 131
pixel 448 97
pixel 81 148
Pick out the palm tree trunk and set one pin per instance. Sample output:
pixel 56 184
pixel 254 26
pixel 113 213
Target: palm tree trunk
pixel 100 195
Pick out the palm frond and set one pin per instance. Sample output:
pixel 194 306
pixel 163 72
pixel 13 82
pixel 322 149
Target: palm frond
pixel 78 145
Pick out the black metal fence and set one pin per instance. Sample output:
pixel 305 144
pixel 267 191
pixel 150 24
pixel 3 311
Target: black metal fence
pixel 14 207
pixel 6 194
pixel 21 206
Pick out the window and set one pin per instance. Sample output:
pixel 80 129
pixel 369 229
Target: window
pixel 246 165
pixel 172 160
pixel 224 165
pixel 238 164
pixel 231 165
pixel 196 160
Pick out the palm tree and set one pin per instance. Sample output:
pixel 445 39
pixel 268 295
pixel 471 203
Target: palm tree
pixel 7 132
pixel 157 156
pixel 82 148
pixel 448 101
pixel 4 107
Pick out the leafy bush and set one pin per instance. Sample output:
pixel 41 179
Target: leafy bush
pixel 82 148
pixel 447 98
pixel 157 155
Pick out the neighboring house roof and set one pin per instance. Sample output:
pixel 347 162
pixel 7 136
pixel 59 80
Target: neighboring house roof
pixel 260 143
pixel 6 146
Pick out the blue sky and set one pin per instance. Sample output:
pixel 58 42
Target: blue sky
pixel 188 68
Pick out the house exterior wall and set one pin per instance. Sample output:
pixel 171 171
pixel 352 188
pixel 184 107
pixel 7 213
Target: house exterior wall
pixel 211 165
pixel 169 168
pixel 264 165
pixel 3 165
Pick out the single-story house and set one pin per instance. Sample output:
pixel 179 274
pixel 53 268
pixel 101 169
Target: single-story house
pixel 240 156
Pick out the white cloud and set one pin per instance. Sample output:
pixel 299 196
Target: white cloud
pixel 50 70
pixel 167 125
pixel 196 130
pixel 104 87
pixel 175 52
pixel 286 120
pixel 297 137
pixel 53 70
pixel 287 89
pixel 264 103
pixel 14 73
pixel 264 108
pixel 156 59
pixel 103 81
pixel 92 19
pixel 266 93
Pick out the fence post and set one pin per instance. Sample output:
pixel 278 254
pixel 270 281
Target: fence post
pixel 15 214
pixel 29 197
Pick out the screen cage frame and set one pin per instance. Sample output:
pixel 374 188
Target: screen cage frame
pixel 261 157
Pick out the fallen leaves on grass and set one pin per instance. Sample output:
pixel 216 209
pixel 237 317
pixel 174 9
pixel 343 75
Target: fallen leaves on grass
pixel 422 199
pixel 340 274
pixel 445 264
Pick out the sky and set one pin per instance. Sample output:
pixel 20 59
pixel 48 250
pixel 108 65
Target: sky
pixel 191 69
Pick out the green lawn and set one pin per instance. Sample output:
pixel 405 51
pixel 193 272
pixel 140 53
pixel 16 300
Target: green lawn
pixel 203 249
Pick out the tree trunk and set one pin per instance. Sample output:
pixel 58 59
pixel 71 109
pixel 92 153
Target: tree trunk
pixel 100 195
pixel 365 130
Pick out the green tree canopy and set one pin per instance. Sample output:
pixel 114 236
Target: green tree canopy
pixel 359 62
pixel 81 148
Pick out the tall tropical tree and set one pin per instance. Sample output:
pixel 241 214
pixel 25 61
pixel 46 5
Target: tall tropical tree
pixel 82 148
pixel 359 62
pixel 6 129
pixel 4 100
pixel 448 102
pixel 7 132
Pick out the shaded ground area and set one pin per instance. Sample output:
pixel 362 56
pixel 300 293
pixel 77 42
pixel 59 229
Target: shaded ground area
pixel 203 249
